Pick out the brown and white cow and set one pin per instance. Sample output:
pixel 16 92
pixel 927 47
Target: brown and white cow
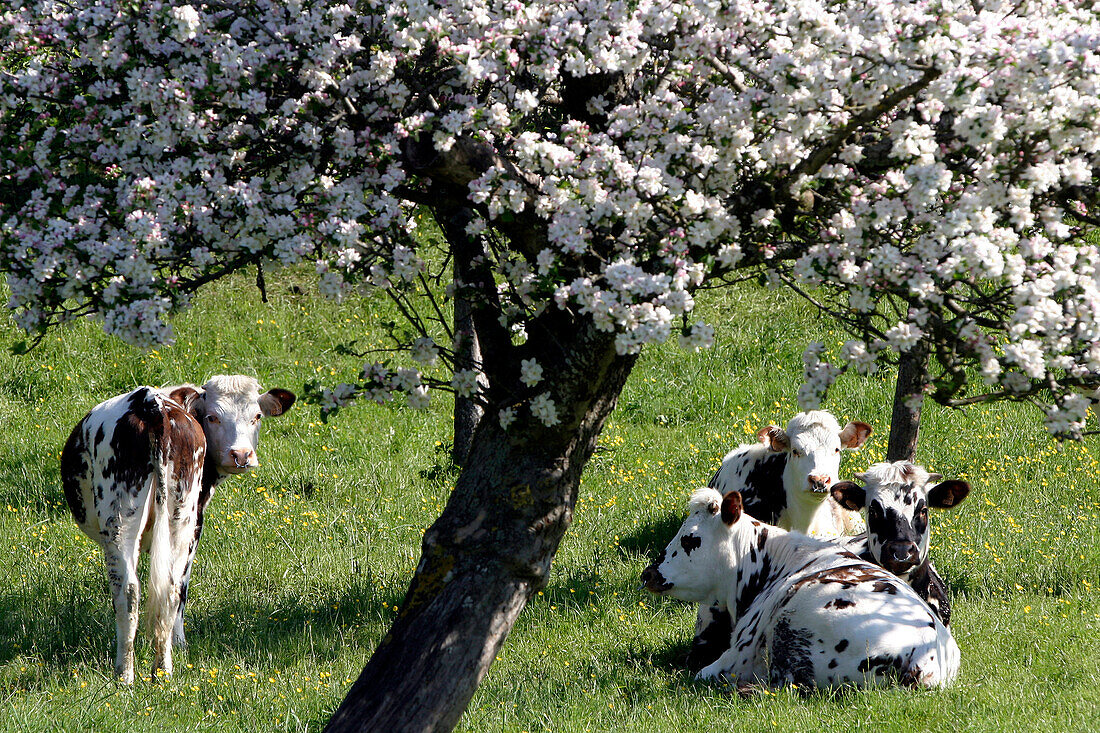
pixel 897 497
pixel 805 611
pixel 139 470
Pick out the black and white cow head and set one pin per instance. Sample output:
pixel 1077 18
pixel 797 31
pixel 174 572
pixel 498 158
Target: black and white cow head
pixel 813 441
pixel 699 556
pixel 897 497
pixel 230 409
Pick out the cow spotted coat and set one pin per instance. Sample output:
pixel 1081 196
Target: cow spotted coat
pixel 784 479
pixel 804 611
pixel 137 473
pixel 897 497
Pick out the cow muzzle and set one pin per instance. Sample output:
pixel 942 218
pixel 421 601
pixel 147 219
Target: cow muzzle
pixel 654 581
pixel 818 484
pixel 900 557
pixel 240 460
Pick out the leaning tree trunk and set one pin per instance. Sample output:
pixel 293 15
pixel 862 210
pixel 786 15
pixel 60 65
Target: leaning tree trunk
pixel 489 551
pixel 908 398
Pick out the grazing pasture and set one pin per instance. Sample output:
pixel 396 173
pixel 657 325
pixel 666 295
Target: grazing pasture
pixel 304 560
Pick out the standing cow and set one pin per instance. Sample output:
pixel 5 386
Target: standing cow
pixel 139 470
pixel 783 480
pixel 897 497
pixel 806 611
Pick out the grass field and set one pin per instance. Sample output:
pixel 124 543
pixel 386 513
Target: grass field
pixel 303 562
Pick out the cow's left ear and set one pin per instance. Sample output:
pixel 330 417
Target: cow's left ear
pixel 731 508
pixel 275 402
pixel 948 493
pixel 854 434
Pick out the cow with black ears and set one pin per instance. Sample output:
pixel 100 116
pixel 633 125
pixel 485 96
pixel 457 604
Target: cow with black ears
pixel 805 611
pixel 897 497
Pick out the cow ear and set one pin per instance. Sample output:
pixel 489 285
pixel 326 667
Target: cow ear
pixel 849 495
pixel 731 508
pixel 854 435
pixel 775 438
pixel 186 396
pixel 934 478
pixel 948 493
pixel 275 402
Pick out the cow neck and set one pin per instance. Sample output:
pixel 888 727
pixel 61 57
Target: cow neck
pixel 766 557
pixel 211 477
pixel 804 512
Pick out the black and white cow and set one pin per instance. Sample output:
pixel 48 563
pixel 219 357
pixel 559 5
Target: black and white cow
pixel 139 470
pixel 783 480
pixel 897 497
pixel 805 611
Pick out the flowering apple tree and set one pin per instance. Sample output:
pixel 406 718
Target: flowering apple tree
pixel 923 170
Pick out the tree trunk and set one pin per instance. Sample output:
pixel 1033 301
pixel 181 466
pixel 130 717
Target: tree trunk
pixel 467 356
pixel 908 398
pixel 453 221
pixel 490 550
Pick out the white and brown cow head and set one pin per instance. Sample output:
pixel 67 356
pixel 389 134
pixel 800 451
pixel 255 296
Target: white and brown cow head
pixel 897 497
pixel 230 409
pixel 813 441
pixel 699 557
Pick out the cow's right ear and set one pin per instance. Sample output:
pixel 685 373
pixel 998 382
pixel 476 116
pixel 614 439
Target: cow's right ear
pixel 849 495
pixel 731 508
pixel 186 396
pixel 775 438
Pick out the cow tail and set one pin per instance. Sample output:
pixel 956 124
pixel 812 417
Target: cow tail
pixel 162 596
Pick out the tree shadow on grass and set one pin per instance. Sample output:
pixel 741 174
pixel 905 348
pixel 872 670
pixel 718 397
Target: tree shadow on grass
pixel 73 626
pixel 650 538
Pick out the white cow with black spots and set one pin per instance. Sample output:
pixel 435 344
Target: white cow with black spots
pixel 784 480
pixel 139 470
pixel 805 611
pixel 897 497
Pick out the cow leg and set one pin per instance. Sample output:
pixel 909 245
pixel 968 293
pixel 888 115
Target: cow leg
pixel 713 626
pixel 178 638
pixel 126 597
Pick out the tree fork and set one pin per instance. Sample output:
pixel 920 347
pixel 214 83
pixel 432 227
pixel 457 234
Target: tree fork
pixel 488 552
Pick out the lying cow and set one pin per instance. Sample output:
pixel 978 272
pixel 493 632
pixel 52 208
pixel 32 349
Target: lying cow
pixel 784 480
pixel 139 470
pixel 897 497
pixel 805 611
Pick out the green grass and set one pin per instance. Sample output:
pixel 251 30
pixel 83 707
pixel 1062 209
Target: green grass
pixel 303 562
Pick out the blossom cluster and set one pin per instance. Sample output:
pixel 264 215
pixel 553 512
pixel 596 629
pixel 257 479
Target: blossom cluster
pixel 934 153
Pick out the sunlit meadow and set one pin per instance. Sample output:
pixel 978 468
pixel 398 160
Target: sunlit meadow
pixel 303 563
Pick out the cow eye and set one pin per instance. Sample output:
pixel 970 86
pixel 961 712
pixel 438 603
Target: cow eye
pixel 212 419
pixel 259 416
pixel 796 453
